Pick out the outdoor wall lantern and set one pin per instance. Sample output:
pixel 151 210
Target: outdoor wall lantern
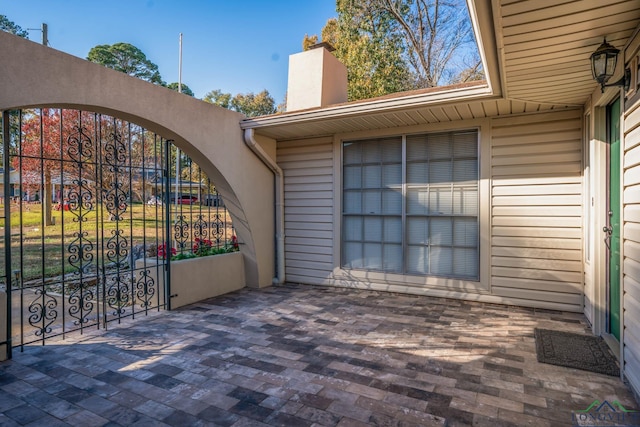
pixel 603 65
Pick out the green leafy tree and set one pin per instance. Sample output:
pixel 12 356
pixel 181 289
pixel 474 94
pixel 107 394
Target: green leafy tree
pixel 126 58
pixel 10 27
pixel 249 104
pixel 394 45
pixel 252 105
pixel 371 51
pixel 185 89
pixel 219 98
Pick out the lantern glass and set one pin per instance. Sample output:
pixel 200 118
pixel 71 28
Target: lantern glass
pixel 603 62
pixel 611 63
pixel 599 65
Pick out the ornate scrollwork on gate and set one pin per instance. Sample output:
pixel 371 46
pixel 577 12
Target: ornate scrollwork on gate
pixel 80 149
pixel 117 295
pixel 92 175
pixel 115 196
pixel 145 289
pixel 81 297
pixel 117 286
pixel 81 303
pixel 80 198
pixel 115 150
pixel 218 229
pixel 115 199
pixel 43 311
pixel 117 249
pixel 200 228
pixel 114 177
pixel 181 231
pixel 80 145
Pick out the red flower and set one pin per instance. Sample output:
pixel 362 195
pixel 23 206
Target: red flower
pixel 162 251
pixel 202 247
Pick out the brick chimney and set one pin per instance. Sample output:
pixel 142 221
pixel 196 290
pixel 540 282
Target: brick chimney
pixel 316 79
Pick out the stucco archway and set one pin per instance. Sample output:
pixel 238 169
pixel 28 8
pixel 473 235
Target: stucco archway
pixel 37 76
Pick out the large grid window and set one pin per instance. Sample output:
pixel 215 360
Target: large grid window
pixel 410 205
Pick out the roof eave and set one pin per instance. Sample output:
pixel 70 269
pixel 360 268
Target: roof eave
pixel 374 105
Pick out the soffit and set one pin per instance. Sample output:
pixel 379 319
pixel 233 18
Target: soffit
pixel 535 55
pixel 397 118
pixel 545 45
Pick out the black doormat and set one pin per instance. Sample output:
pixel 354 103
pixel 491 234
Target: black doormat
pixel 578 351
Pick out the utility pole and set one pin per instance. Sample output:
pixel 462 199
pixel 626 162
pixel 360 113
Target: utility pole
pixel 177 149
pixel 45 34
pixel 180 66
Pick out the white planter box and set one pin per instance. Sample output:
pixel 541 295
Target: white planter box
pixel 196 279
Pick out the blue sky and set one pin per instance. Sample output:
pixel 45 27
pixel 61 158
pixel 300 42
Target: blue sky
pixel 235 46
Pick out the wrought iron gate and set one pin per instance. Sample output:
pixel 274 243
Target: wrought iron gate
pixel 87 200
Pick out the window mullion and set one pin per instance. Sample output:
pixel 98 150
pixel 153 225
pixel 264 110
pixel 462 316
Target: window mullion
pixel 403 212
pixel 362 201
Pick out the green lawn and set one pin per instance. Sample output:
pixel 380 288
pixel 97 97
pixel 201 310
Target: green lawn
pixel 39 251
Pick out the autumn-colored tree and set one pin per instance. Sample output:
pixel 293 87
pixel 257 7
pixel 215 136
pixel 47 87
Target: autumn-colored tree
pixel 249 104
pixel 41 153
pixel 93 157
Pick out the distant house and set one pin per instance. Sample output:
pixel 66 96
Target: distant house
pixel 495 191
pixel 13 182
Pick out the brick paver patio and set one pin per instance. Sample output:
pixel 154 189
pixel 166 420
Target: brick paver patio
pixel 301 356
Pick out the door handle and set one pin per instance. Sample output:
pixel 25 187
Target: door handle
pixel 607 238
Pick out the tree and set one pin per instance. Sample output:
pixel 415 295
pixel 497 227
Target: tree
pixel 365 43
pixel 433 33
pixel 185 89
pixel 42 154
pixel 10 27
pixel 66 145
pixel 394 45
pixel 471 73
pixel 126 58
pixel 309 41
pixel 250 104
pixel 217 97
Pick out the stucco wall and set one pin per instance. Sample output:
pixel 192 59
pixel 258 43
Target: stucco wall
pixel 34 75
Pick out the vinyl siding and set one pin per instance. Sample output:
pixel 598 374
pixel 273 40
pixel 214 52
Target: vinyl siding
pixel 307 166
pixel 535 227
pixel 631 244
pixel 536 207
